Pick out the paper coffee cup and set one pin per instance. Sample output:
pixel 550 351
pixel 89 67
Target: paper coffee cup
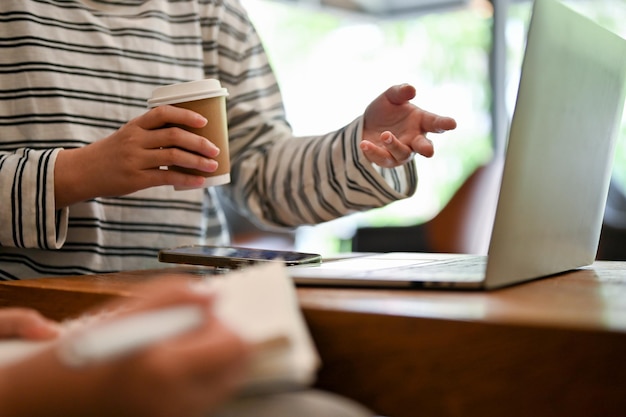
pixel 208 98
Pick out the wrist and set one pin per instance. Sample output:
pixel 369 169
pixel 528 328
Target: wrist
pixel 70 179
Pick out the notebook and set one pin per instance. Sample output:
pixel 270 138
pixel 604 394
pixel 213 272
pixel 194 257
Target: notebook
pixel 556 170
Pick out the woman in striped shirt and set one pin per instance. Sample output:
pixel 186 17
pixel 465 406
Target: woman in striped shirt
pixel 80 186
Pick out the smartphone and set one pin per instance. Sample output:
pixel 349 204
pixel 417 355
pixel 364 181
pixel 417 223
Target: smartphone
pixel 234 257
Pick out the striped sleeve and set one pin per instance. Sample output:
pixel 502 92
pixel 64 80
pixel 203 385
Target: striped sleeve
pixel 28 216
pixel 281 180
pixel 316 179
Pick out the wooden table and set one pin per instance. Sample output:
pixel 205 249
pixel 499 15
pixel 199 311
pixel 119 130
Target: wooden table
pixel 553 347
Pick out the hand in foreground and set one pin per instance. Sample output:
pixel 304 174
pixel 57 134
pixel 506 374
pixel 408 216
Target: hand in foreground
pixel 129 159
pixel 184 376
pixel 25 323
pixel 394 129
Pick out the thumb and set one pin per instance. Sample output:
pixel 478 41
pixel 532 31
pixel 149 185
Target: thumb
pixel 400 94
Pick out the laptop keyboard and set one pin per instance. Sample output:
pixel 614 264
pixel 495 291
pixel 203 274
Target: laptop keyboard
pixel 470 268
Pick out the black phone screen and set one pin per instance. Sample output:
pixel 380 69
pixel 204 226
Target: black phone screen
pixel 229 256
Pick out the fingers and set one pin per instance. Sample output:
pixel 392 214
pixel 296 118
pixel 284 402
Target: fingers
pixel 160 116
pixel 392 153
pixel 161 123
pixel 181 158
pixel 160 138
pixel 423 146
pixel 209 355
pixel 175 146
pixel 398 151
pixel 202 368
pixel 227 350
pixel 175 136
pixel 393 112
pixel 26 323
pixel 430 122
pixel 178 179
pixel 437 124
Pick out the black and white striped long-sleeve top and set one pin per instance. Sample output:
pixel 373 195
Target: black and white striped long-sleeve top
pixel 74 71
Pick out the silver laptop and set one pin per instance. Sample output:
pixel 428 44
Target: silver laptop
pixel 556 171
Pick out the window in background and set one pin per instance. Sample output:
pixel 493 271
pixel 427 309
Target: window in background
pixel 332 65
pixel 610 14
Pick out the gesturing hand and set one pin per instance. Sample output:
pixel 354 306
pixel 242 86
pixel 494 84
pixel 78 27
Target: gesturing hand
pixel 130 159
pixel 394 129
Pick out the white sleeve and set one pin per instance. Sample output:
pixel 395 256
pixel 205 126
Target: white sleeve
pixel 27 214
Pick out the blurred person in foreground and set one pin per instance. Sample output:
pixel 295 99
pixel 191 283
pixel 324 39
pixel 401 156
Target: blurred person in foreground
pixel 195 374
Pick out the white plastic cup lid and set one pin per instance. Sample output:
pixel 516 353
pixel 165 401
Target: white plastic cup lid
pixel 188 91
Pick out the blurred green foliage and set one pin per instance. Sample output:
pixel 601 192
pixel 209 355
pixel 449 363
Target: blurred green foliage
pixel 447 52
